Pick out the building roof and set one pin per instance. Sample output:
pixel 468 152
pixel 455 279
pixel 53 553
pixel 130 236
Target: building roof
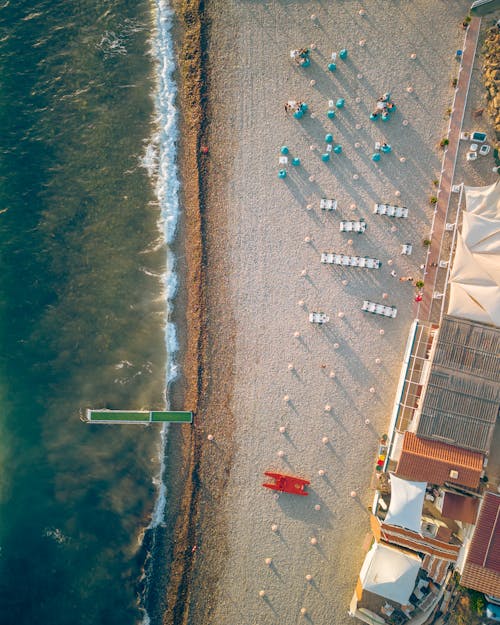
pixel 475 275
pixel 462 396
pixel 482 565
pixel 407 501
pixel 435 462
pixel 460 508
pixel 418 542
pixel 390 572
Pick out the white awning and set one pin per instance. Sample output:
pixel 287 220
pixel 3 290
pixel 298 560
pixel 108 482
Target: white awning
pixel 390 572
pixel 407 500
pixel 480 234
pixel 475 276
pixel 475 284
pixel 484 201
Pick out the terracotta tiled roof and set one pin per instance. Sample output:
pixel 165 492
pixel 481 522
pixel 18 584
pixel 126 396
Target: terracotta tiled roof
pixel 460 508
pixel 436 568
pixel 482 566
pixel 431 461
pixel 419 543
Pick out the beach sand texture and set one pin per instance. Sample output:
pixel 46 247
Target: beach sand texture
pixel 256 259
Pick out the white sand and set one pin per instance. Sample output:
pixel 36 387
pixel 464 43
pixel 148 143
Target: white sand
pixel 251 78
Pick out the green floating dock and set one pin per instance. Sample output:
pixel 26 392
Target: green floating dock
pixel 141 417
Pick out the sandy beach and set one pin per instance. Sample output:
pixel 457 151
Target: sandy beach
pixel 264 366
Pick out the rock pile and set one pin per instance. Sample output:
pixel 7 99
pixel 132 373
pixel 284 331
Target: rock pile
pixel 491 73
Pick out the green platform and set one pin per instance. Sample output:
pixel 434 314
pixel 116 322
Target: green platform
pixel 141 417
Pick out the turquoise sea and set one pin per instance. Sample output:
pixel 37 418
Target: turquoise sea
pixel 83 216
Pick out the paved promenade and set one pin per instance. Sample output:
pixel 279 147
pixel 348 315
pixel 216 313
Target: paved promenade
pixel 429 308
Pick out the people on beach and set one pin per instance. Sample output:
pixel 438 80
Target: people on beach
pixel 301 56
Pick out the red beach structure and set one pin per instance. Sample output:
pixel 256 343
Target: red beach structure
pixel 287 483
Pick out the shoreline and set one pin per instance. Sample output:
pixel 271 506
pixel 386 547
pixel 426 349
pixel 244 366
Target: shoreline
pixel 206 391
pixel 183 448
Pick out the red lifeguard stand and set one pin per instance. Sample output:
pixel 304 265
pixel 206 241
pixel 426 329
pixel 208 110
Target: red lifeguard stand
pixel 287 483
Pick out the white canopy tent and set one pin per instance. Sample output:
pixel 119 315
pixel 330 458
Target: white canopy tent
pixel 390 573
pixel 484 201
pixel 407 501
pixel 475 276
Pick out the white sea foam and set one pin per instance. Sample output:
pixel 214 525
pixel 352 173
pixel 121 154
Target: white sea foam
pixel 160 161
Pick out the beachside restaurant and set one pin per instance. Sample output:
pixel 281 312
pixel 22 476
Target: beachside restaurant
pixel 404 574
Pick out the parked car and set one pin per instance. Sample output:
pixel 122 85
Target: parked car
pixel 493 612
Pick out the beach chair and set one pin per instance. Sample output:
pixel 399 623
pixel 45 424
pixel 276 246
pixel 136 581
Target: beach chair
pixel 366 303
pixel 390 211
pixel 406 249
pixel 362 262
pixel 338 259
pixel 325 204
pixel 283 160
pixel 401 212
pixel 354 261
pixel 372 307
pixel 379 309
pixel 346 261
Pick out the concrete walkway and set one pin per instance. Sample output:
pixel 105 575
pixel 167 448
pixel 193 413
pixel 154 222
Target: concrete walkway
pixel 429 309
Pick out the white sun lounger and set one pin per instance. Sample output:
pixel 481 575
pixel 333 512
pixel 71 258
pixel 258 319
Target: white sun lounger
pixel 350 261
pixel 352 226
pixel 379 309
pixel 318 317
pixel 390 210
pixel 406 249
pixel 329 205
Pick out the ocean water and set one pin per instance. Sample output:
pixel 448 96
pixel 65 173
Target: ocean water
pixel 88 196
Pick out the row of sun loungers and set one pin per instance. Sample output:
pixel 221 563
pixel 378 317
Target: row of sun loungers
pixel 379 309
pixel 318 317
pixel 390 211
pixel 328 205
pixel 350 261
pixel 353 226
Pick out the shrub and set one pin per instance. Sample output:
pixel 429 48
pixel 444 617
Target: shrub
pixel 454 82
pixel 433 199
pixel 444 142
pixel 419 284
pixel 426 242
pixel 435 182
pixel 477 601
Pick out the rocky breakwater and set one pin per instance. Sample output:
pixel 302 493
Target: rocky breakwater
pixel 491 73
